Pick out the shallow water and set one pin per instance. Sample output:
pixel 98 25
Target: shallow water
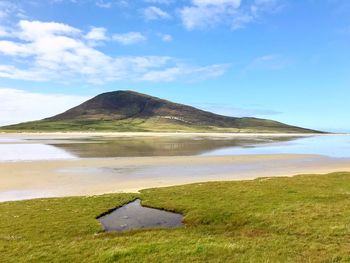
pixel 12 149
pixel 32 152
pixel 134 216
pixel 328 145
pixel 151 146
pixel 192 170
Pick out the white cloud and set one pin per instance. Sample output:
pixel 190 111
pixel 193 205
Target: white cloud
pixel 205 13
pixel 155 13
pixel 235 13
pixel 96 35
pixel 10 8
pixel 99 3
pixel 14 49
pixel 109 4
pixel 14 105
pixel 129 38
pixel 61 1
pixel 234 3
pixel 210 71
pixel 169 74
pixel 179 71
pixel 34 30
pixel 34 74
pixel 103 4
pixel 49 51
pixel 160 2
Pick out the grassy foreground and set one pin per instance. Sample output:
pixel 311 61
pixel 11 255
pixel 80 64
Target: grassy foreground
pixel 300 219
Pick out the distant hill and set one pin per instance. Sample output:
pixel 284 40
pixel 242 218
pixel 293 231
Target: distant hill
pixel 132 111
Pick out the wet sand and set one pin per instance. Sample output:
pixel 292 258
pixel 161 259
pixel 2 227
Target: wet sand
pixel 91 176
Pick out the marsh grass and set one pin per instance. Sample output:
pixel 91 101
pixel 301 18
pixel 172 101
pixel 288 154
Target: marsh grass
pixel 300 219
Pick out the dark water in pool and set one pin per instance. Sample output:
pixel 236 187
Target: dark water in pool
pixel 134 216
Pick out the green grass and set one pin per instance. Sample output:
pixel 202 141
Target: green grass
pixel 143 125
pixel 299 219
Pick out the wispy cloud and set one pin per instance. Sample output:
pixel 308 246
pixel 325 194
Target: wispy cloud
pixel 110 4
pixel 187 72
pixel 49 51
pixel 267 62
pixel 163 37
pixel 10 9
pixel 203 14
pixel 160 2
pixel 155 13
pixel 129 38
pixel 104 4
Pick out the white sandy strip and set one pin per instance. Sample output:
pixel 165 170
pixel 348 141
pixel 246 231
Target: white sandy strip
pixel 23 180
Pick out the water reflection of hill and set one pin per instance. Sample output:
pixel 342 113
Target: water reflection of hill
pixel 127 147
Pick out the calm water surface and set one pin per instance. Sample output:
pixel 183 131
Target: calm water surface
pixel 14 149
pixel 134 216
pixel 328 145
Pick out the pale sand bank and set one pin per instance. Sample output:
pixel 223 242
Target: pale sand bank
pixel 23 180
pixel 34 135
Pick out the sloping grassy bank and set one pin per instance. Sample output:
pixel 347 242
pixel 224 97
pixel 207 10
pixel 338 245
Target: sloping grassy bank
pixel 299 219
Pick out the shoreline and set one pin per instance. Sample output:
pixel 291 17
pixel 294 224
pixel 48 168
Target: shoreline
pixel 96 176
pixel 165 134
pixel 138 190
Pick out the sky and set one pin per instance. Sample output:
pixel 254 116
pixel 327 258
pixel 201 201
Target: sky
pixel 285 60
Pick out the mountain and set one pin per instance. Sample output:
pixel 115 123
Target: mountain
pixel 132 111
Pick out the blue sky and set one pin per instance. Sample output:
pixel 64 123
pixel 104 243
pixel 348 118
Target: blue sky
pixel 278 59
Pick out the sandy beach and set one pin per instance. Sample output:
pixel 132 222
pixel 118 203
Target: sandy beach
pixel 92 176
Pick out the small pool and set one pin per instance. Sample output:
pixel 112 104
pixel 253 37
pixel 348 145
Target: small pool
pixel 134 216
